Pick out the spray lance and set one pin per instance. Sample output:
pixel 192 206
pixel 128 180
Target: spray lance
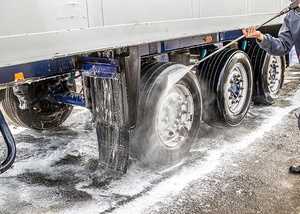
pixel 292 6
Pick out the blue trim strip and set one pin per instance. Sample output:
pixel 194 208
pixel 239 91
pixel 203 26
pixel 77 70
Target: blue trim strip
pixel 38 69
pixel 228 35
pixel 163 46
pixel 176 44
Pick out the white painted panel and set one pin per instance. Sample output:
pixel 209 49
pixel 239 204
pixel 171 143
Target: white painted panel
pixel 41 29
pixel 223 8
pixel 118 12
pixel 95 13
pixel 249 6
pixel 32 16
pixel 260 6
pixel 196 8
pixel 285 3
pixel 33 47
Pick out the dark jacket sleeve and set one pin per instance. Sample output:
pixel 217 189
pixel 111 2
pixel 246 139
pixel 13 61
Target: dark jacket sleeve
pixel 281 45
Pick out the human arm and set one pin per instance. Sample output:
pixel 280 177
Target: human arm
pixel 275 46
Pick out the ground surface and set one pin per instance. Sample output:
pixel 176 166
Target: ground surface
pixel 237 170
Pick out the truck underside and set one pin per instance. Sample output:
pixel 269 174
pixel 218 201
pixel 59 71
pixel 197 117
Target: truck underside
pixel 145 101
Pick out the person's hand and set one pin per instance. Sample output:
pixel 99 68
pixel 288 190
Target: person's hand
pixel 253 33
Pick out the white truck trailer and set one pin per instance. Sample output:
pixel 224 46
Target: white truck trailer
pixel 132 57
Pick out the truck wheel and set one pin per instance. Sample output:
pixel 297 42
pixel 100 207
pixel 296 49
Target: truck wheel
pixel 268 75
pixel 227 79
pixel 40 116
pixel 169 114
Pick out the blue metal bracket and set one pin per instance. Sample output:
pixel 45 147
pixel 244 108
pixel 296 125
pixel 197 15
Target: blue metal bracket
pixel 61 94
pixel 70 98
pixel 99 67
pixel 91 67
pixel 10 143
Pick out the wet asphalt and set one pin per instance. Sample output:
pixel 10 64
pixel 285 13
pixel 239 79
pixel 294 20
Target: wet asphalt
pixel 232 170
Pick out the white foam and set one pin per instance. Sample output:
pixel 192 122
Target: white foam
pixel 135 182
pixel 164 191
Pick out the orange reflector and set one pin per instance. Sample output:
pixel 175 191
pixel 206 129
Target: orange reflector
pixel 19 76
pixel 208 39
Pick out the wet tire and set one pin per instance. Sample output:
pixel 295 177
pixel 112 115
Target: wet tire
pixel 268 72
pixel 227 88
pixel 40 116
pixel 169 114
pixel 2 94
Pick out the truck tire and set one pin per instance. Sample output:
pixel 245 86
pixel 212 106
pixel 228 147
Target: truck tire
pixel 268 74
pixel 2 94
pixel 169 114
pixel 226 81
pixel 42 115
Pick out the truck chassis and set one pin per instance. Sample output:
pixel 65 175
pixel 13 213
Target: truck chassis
pixel 145 101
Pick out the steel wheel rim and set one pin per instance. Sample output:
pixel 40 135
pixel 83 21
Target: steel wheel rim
pixel 274 74
pixel 236 88
pixel 175 116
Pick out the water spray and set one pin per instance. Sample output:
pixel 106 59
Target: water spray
pixel 292 6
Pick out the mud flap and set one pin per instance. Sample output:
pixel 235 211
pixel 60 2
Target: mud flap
pixel 104 98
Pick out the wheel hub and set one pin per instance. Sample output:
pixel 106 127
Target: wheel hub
pixel 175 117
pixel 274 74
pixel 236 84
